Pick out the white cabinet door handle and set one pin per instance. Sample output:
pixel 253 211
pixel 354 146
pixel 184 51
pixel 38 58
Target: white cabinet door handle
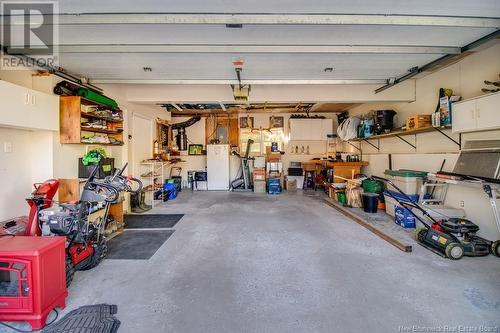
pixel 27 98
pixel 33 99
pixel 478 113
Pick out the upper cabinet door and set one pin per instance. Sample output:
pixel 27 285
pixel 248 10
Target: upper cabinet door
pixel 488 112
pixel 28 109
pixel 464 116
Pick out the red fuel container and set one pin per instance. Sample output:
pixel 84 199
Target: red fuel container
pixel 32 278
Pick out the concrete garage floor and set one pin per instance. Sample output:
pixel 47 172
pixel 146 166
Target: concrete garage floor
pixel 240 262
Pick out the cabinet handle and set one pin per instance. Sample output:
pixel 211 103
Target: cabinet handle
pixel 27 98
pixel 33 99
pixel 478 111
pixel 472 113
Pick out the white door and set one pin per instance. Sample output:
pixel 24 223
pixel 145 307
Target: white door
pixel 487 112
pixel 142 142
pixel 464 116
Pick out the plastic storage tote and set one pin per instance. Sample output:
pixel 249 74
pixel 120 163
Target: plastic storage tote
pixel 408 181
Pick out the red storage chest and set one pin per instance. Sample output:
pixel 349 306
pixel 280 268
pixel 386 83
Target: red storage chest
pixel 32 278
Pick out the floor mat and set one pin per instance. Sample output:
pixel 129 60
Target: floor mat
pixel 87 319
pixel 137 244
pixel 148 221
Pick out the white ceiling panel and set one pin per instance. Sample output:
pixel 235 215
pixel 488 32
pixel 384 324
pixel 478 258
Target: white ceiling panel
pixel 475 8
pixel 257 66
pixel 269 35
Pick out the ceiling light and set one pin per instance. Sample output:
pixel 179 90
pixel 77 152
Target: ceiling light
pixel 147 69
pixel 328 69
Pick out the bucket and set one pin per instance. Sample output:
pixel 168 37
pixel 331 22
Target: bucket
pixel 370 202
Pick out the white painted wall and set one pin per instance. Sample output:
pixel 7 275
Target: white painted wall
pixel 466 79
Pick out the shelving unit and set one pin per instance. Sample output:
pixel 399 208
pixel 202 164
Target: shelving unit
pixel 401 134
pixel 72 114
pixel 157 170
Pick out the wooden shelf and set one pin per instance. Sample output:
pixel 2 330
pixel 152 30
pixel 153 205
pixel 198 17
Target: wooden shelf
pixel 99 130
pixel 93 116
pixel 402 133
pixel 101 143
pixel 71 128
pixel 86 101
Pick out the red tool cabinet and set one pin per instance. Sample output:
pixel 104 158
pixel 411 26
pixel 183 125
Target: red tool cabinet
pixel 32 278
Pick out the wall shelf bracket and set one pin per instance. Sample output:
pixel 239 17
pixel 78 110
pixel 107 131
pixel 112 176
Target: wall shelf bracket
pixel 367 140
pixel 458 143
pixel 408 142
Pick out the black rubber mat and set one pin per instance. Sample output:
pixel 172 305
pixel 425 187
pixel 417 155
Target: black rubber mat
pixel 147 221
pixel 87 319
pixel 137 244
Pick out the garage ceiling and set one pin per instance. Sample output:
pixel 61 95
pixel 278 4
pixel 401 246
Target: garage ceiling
pixel 188 41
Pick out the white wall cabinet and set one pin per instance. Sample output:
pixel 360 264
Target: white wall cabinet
pixel 28 109
pixel 310 129
pixel 477 114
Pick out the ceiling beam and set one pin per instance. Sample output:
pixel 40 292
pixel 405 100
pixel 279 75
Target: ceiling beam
pixel 271 19
pixel 226 82
pixel 316 49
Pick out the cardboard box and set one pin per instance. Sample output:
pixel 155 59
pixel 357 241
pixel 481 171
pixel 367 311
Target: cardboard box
pixel 259 162
pixel 259 174
pixel 259 186
pixel 298 179
pixel 291 185
pixel 418 121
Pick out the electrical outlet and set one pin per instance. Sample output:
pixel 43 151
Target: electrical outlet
pixel 7 147
pixel 462 204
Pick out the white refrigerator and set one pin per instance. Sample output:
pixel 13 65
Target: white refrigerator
pixel 218 167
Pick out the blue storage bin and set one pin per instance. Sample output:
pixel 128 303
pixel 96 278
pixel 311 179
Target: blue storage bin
pixel 404 218
pixel 400 197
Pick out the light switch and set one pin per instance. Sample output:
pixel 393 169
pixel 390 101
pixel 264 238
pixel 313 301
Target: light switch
pixel 7 147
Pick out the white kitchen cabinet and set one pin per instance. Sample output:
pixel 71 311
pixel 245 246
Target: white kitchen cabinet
pixel 310 129
pixel 28 109
pixel 476 114
pixel 488 112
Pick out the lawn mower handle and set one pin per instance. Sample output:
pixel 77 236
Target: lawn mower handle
pixel 409 203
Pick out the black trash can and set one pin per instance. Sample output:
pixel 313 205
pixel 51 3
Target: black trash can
pixel 370 202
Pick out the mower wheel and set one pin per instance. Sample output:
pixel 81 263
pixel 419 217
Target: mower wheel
pixel 70 271
pixel 495 248
pixel 421 233
pixel 454 251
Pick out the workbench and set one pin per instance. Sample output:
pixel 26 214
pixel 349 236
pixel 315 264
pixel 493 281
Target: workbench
pixel 340 169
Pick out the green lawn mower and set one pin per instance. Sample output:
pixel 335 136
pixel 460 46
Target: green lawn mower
pixel 452 238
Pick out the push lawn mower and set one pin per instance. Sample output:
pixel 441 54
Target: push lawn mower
pixel 452 238
pixel 86 243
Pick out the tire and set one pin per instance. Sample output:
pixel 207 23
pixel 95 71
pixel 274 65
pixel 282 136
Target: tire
pixel 495 248
pixel 421 233
pixel 454 251
pixel 100 252
pixel 70 271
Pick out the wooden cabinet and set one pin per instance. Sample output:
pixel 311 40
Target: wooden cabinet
pixel 83 120
pixel 477 114
pixel 28 109
pixel 310 129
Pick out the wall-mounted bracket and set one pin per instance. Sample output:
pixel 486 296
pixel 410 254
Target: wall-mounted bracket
pixel 371 144
pixel 408 142
pixel 458 143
